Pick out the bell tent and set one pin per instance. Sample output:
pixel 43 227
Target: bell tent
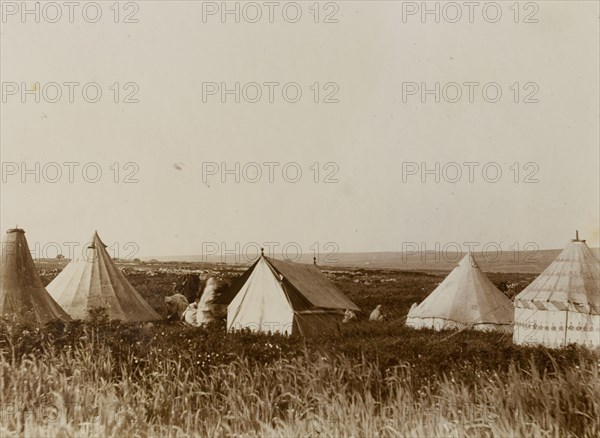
pixel 465 299
pixel 562 305
pixel 95 284
pixel 23 298
pixel 285 297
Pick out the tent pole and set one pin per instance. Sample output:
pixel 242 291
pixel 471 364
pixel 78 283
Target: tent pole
pixel 566 327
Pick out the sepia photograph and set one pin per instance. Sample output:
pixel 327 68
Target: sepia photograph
pixel 310 218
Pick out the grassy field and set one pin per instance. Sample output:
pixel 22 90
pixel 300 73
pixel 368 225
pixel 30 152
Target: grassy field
pixel 375 379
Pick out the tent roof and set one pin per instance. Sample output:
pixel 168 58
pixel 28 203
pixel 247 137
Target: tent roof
pixel 306 286
pixel 95 282
pixel 466 296
pixel 23 297
pixel 312 284
pixel 571 281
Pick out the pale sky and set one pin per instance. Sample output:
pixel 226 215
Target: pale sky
pixel 370 53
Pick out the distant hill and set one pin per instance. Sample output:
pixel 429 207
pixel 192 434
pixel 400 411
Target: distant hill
pixel 507 261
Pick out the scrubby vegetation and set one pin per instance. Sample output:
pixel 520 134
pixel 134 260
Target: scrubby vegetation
pixel 375 379
pixel 167 380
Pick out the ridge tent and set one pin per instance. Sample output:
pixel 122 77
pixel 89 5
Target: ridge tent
pixel 562 305
pixel 23 298
pixel 285 297
pixel 465 299
pixel 95 283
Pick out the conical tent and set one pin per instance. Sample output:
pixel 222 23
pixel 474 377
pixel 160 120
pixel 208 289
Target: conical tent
pixel 285 297
pixel 465 299
pixel 23 298
pixel 95 284
pixel 562 305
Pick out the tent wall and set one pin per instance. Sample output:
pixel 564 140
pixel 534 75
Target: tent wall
pixel 554 328
pixel 546 327
pixel 445 324
pixel 321 323
pixel 583 329
pixel 433 323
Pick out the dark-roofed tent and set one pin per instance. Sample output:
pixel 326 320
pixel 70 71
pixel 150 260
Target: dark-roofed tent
pixel 23 298
pixel 285 297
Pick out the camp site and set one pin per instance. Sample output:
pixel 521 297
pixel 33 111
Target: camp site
pixel 280 347
pixel 300 219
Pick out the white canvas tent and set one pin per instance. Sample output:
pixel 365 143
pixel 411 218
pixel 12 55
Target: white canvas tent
pixel 465 299
pixel 94 283
pixel 284 297
pixel 23 298
pixel 562 305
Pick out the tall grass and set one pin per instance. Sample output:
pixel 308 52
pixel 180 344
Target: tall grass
pixel 88 385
